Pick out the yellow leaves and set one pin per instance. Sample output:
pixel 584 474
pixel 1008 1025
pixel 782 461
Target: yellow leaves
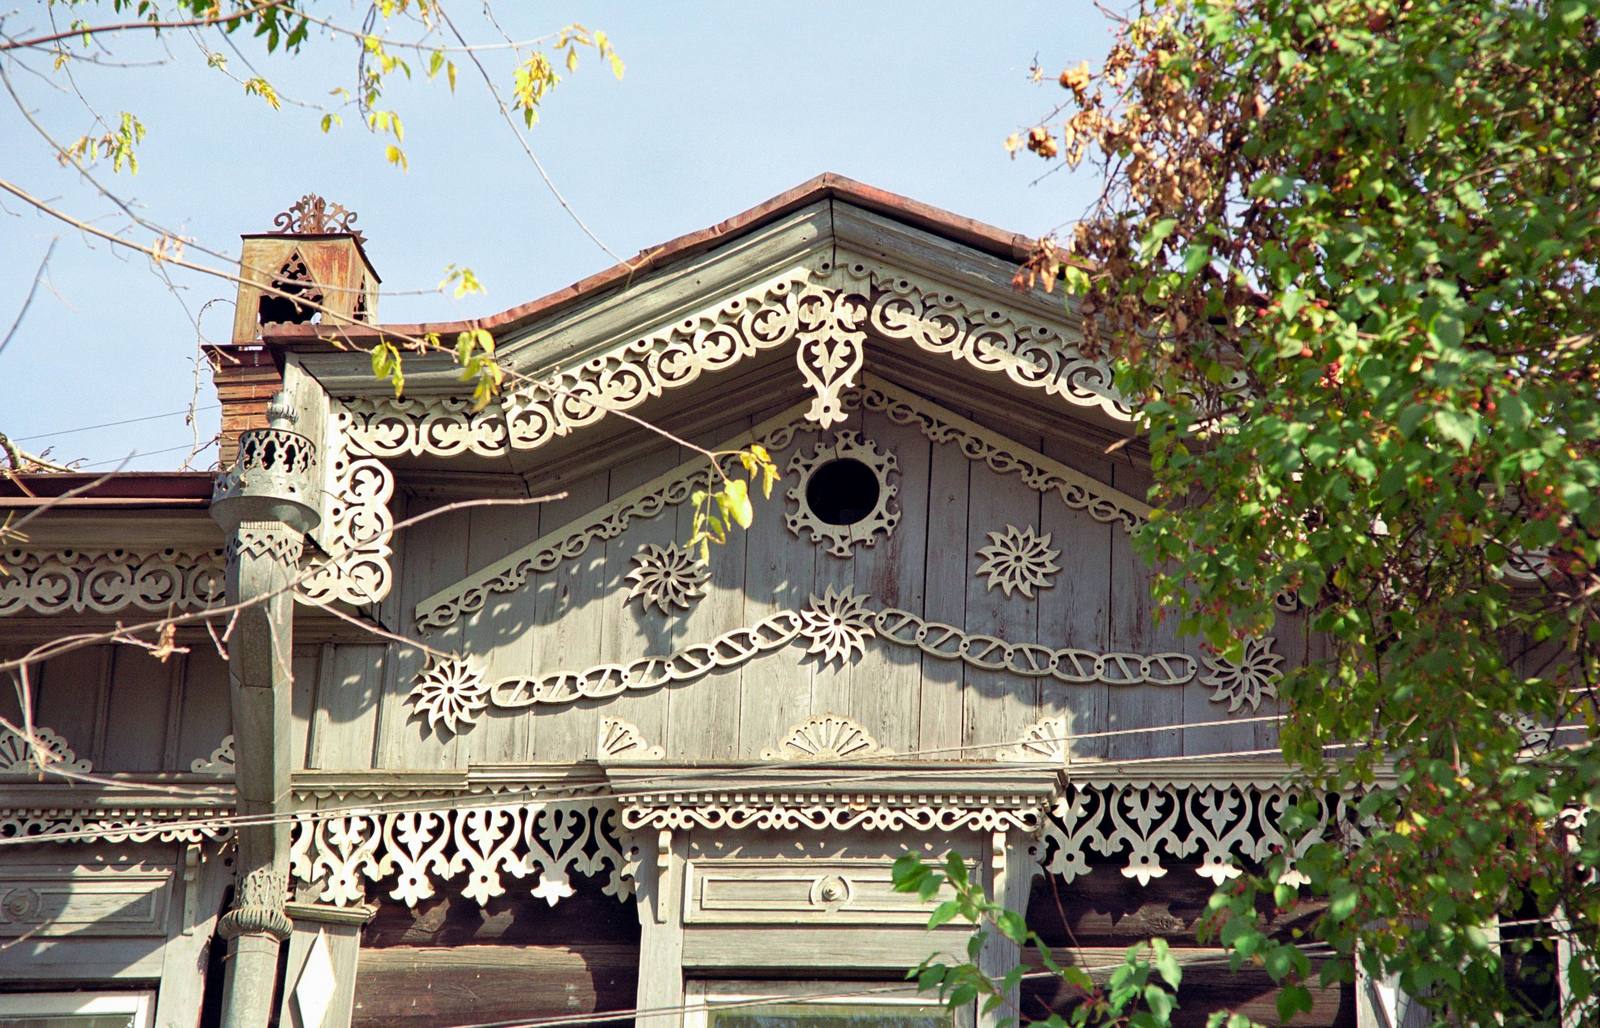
pixel 117 145
pixel 386 364
pixel 533 79
pixel 718 510
pixel 259 86
pixel 475 353
pixel 465 281
pixel 396 156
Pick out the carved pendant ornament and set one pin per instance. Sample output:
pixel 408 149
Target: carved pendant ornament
pixel 668 578
pixel 834 628
pixel 842 497
pixel 1142 821
pixel 1018 560
pixel 409 854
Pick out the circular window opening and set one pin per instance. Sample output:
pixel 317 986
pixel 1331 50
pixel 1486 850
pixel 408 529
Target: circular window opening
pixel 842 492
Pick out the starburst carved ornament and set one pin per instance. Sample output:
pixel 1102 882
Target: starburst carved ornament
pixel 451 693
pixel 1254 676
pixel 667 577
pixel 1019 560
pixel 837 626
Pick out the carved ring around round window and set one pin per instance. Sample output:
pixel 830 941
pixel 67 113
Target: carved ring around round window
pixel 842 495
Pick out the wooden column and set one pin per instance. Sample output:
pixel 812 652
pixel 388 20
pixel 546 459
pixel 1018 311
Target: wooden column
pixel 262 557
pixel 661 930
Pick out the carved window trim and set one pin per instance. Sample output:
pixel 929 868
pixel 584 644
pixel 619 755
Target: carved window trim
pixel 18 756
pixel 825 737
pixel 841 540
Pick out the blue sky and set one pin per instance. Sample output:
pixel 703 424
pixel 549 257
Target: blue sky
pixel 723 105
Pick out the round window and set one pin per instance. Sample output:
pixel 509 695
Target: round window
pixel 842 492
pixel 843 497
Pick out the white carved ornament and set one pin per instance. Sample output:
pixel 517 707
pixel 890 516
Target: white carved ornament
pixel 573 539
pixel 409 853
pixel 822 811
pixel 667 577
pixel 104 582
pixel 819 312
pixel 621 740
pixel 1045 742
pixel 20 756
pixel 1256 675
pixel 222 760
pixel 941 426
pixel 835 628
pixel 452 693
pixel 1004 456
pixel 1018 560
pixel 839 540
pixel 114 824
pixel 1142 821
pixel 828 737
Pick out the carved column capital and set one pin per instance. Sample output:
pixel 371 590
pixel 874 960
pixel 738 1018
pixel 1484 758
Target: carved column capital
pixel 258 907
pixel 265 539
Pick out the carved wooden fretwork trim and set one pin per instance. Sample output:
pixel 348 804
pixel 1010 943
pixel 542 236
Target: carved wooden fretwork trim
pixel 839 540
pixel 18 756
pixel 870 810
pixel 407 854
pixel 1256 675
pixel 222 760
pixel 1004 456
pixel 353 565
pixel 1143 821
pixel 1018 560
pixel 104 582
pixel 113 824
pixel 668 578
pixel 826 737
pixel 621 740
pixel 1045 742
pixel 272 539
pixel 451 693
pixel 834 627
pixel 545 553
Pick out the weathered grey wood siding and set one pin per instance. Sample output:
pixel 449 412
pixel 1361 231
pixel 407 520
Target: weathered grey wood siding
pixel 353 712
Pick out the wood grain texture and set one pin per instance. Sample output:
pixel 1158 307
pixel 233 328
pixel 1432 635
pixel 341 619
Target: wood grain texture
pixel 886 684
pixel 945 568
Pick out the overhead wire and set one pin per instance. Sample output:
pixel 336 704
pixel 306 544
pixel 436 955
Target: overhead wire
pixel 115 424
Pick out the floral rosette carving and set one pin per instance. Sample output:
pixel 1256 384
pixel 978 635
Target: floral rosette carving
pixel 1019 560
pixel 667 577
pixel 837 626
pixel 451 694
pixel 1254 676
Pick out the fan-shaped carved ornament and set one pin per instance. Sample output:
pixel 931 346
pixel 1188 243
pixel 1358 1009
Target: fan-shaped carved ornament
pixel 19 756
pixel 622 740
pixel 222 761
pixel 828 737
pixel 1045 742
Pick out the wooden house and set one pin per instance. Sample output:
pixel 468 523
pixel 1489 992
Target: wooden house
pixel 424 748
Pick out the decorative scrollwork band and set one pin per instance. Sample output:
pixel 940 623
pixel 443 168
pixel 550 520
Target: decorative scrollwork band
pixel 834 627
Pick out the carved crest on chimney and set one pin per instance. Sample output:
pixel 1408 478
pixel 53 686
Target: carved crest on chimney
pixel 313 215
